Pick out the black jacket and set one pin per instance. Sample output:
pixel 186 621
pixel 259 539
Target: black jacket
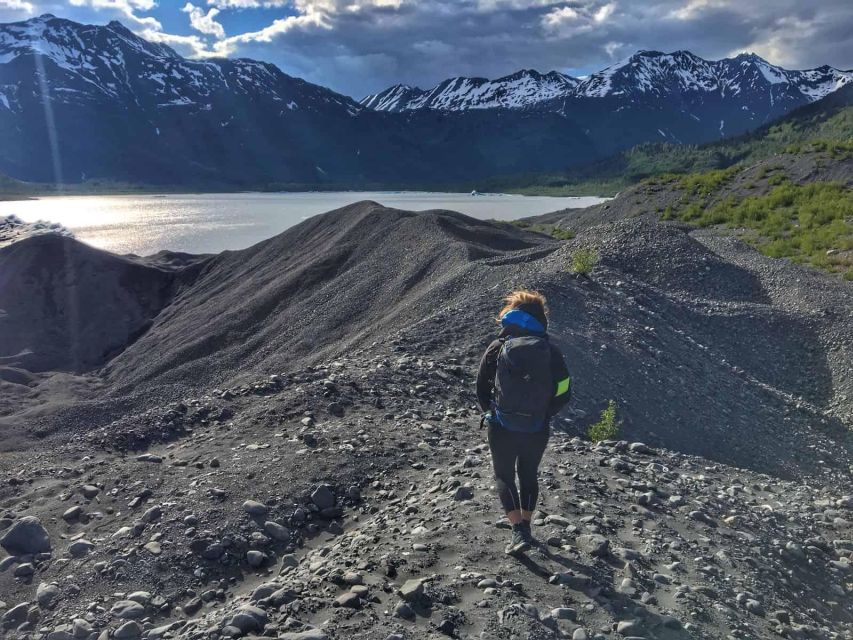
pixel 488 369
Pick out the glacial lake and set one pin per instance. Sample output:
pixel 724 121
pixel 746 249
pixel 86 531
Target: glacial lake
pixel 209 223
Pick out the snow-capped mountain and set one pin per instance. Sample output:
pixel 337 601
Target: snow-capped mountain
pixel 111 63
pixel 519 90
pixel 645 75
pixel 81 102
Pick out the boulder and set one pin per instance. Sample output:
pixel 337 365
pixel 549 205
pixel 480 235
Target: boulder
pixel 594 544
pixel 412 590
pixel 47 594
pixel 26 536
pixel 255 509
pixel 128 631
pixel 248 618
pixel 323 497
pixel 128 610
pixel 80 548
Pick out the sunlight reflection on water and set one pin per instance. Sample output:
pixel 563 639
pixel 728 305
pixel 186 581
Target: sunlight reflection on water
pixel 209 223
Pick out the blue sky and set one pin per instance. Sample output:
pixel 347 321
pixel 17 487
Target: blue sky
pixel 362 46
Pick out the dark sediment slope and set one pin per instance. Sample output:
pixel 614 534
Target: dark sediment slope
pixel 356 274
pixel 309 464
pixel 706 346
pixel 66 306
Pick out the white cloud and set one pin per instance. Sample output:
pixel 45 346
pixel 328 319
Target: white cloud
pixel 694 8
pixel 278 27
pixel 558 17
pixel 247 4
pixel 568 20
pixel 604 12
pixel 190 46
pixel 17 5
pixel 361 46
pixel 204 22
pixel 126 9
pixel 611 48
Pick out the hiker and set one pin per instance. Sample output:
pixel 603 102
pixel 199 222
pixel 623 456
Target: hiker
pixel 522 383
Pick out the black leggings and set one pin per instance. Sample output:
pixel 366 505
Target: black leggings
pixel 511 451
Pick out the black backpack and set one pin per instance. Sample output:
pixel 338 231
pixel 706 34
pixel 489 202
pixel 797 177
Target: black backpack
pixel 523 383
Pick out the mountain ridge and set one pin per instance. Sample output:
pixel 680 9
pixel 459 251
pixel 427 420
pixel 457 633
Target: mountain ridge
pixel 97 104
pixel 693 72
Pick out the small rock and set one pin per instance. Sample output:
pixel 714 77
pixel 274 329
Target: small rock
pixel 128 631
pixel 349 600
pixel 154 548
pixel 594 544
pixel 249 618
pixel 128 610
pixel 152 515
pixel 701 516
pixel 255 509
pixel 412 590
pixel 629 628
pixel 276 531
pixel 73 513
pixel 564 613
pixel 323 497
pixel 463 493
pixel 81 628
pixel 403 610
pixel 256 558
pixel 80 548
pixel 47 594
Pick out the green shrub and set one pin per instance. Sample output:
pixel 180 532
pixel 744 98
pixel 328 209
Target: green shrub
pixel 584 261
pixel 607 427
pixel 704 184
pixel 808 223
pixel 562 234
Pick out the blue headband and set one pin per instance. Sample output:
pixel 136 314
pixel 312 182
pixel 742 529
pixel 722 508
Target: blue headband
pixel 522 319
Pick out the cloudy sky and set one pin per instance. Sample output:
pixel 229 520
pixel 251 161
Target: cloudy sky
pixel 361 46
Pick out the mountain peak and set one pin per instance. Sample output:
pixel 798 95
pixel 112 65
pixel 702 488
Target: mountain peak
pixel 646 73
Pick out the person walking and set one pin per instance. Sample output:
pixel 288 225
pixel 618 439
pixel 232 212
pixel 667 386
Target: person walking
pixel 521 384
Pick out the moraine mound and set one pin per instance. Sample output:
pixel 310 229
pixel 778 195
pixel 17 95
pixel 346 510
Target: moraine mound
pixel 67 306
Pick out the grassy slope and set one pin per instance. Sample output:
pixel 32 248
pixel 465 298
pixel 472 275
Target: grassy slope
pixel 826 124
pixel 809 223
pixel 793 205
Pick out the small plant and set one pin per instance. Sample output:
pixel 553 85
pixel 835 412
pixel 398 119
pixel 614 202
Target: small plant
pixel 584 261
pixel 562 234
pixel 607 427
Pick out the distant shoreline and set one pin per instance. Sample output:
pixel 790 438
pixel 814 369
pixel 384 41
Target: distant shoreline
pixel 545 193
pixel 13 190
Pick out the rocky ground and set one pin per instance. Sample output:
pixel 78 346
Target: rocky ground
pixel 291 448
pixel 355 500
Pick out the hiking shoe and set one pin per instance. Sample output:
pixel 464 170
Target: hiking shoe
pixel 526 533
pixel 517 544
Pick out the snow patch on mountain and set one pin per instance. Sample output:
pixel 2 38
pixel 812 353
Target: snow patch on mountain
pixel 111 62
pixel 511 92
pixel 646 74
